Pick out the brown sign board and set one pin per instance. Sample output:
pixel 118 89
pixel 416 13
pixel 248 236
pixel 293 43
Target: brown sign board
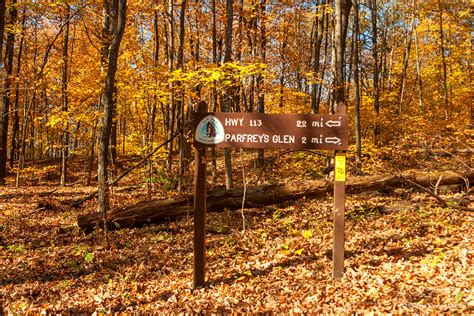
pixel 260 130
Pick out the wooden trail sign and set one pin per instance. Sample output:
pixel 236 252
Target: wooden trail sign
pixel 259 130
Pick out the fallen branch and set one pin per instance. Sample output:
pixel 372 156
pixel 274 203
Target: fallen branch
pixel 219 200
pixel 78 202
pixel 422 188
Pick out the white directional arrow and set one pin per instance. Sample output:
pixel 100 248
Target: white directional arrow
pixel 332 123
pixel 332 140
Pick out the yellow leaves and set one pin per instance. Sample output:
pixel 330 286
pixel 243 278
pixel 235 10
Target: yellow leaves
pixel 215 76
pixel 60 117
pixel 224 75
pixel 299 252
pixel 464 14
pixel 307 234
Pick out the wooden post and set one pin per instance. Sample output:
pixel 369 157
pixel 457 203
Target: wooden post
pixel 199 211
pixel 339 209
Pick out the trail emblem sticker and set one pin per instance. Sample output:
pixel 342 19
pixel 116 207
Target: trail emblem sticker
pixel 209 131
pixel 340 167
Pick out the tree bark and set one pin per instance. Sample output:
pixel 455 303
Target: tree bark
pixel 376 71
pixel 107 103
pixel 342 14
pixel 6 73
pixel 443 61
pixel 260 87
pixel 406 59
pixel 2 92
pixel 171 110
pixel 228 97
pixel 419 80
pixel 156 211
pixel 214 86
pixel 318 40
pixel 16 116
pixel 183 144
pixel 64 94
pixel 357 84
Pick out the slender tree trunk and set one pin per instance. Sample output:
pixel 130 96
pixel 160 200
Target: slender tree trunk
pixel 228 97
pixel 260 83
pixel 339 43
pixel 172 107
pixel 5 74
pixel 214 86
pixel 90 158
pixel 150 131
pixel 283 69
pixel 182 164
pixel 32 131
pixel 375 56
pixel 16 116
pixel 419 80
pixel 355 42
pixel 443 61
pixel 324 62
pixel 64 94
pixel 2 79
pixel 383 61
pixel 124 134
pixel 406 58
pixel 318 40
pixel 113 131
pixel 27 105
pixel 390 65
pixel 107 103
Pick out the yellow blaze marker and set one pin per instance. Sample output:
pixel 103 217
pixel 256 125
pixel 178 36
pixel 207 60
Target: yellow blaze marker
pixel 340 168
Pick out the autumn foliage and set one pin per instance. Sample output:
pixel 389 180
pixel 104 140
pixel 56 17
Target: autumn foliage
pixel 405 253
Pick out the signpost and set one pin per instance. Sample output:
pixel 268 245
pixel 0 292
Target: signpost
pixel 259 130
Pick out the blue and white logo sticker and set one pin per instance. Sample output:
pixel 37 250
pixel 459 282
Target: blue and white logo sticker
pixel 209 131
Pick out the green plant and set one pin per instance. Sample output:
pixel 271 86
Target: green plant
pixel 89 257
pixel 16 248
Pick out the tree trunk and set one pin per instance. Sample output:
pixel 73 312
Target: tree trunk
pixel 339 56
pixel 406 58
pixel 6 73
pixel 261 91
pixel 156 211
pixel 419 80
pixel 64 94
pixel 340 32
pixel 228 97
pixel 356 84
pixel 113 131
pixel 443 61
pixel 375 75
pixel 324 62
pixel 183 144
pixel 214 87
pixel 16 116
pixel 318 40
pixel 107 104
pixel 171 111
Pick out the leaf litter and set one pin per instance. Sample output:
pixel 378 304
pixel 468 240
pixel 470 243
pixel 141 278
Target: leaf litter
pixel 404 254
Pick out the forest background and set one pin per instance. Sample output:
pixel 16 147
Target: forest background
pixel 104 85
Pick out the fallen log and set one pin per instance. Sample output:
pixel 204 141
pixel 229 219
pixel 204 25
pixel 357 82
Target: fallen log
pixel 154 211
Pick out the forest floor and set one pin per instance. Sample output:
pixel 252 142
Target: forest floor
pixel 404 253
